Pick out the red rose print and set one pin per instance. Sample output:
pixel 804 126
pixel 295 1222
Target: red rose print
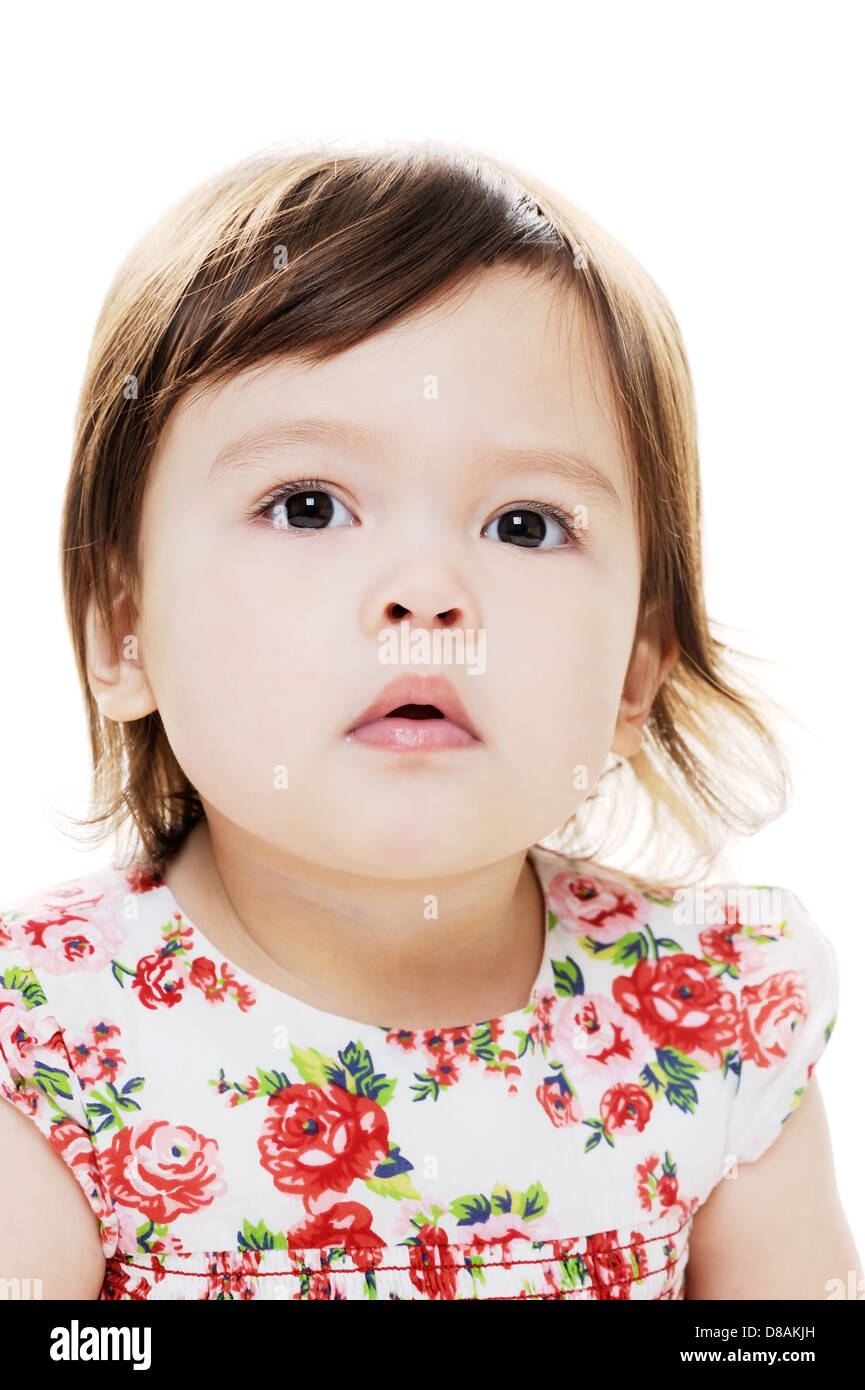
pixel 431 1264
pixel 158 980
pixel 347 1225
pixel 668 1190
pixel 720 943
pixel 646 1181
pixel 638 1253
pixel 318 1140
pixel 626 1107
pixel 163 1170
pixel 73 1143
pixel 142 876
pixel 729 946
pixel 610 1266
pixel 202 974
pixel 771 1011
pixel 680 1003
pixel 560 1105
pixel 231 1274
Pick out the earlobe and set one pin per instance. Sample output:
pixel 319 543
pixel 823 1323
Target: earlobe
pixel 647 672
pixel 115 669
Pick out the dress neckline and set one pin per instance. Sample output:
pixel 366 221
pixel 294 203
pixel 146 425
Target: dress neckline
pixel 544 862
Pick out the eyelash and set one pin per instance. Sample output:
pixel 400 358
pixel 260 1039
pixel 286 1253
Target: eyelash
pixel 281 494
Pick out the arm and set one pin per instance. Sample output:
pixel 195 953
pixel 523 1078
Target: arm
pixel 47 1229
pixel 777 1229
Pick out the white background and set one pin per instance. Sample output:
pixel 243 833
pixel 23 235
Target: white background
pixel 722 144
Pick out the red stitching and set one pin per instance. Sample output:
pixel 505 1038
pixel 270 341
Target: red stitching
pixel 493 1298
pixel 119 1261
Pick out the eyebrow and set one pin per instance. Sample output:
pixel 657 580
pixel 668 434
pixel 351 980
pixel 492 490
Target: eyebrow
pixel 250 449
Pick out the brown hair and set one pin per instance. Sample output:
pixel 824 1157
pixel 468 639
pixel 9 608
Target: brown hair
pixel 310 253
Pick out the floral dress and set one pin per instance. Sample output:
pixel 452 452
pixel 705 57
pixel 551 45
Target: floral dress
pixel 236 1143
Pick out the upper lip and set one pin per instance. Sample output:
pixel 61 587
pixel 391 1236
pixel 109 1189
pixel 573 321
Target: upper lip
pixel 418 690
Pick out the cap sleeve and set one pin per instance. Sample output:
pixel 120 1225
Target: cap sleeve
pixel 38 1077
pixel 788 1004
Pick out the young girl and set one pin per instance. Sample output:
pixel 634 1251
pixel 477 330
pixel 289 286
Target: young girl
pixel 381 554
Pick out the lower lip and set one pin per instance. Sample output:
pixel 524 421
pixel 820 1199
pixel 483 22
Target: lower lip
pixel 412 735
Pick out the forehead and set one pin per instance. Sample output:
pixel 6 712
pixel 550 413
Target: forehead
pixel 506 361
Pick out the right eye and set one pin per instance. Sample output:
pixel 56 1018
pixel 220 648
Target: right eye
pixel 305 505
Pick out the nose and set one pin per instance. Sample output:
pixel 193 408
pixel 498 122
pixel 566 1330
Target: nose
pixel 431 598
pixel 430 595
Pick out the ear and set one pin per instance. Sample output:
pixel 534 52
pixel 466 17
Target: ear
pixel 115 669
pixel 651 658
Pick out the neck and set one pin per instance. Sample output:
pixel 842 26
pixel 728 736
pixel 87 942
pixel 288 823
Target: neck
pixel 439 953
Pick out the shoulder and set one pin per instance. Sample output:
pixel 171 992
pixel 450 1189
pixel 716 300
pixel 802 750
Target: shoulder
pixel 766 966
pixel 729 978
pixel 737 934
pixel 63 951
pixel 68 924
pixel 58 951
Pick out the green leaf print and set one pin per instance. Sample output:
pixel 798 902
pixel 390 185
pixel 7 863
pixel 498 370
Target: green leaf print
pixel 400 1187
pixel 52 1081
pixel 672 1073
pixel 656 898
pixel 271 1082
pixel 627 951
pixel 260 1238
pixel 110 1104
pixel 668 943
pixel 569 978
pixel 28 985
pixel 118 970
pixel 598 1133
pixel 146 1233
pixel 357 1075
pixel 476 1208
pixel 310 1065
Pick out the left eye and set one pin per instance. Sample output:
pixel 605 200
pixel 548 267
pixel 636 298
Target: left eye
pixel 530 527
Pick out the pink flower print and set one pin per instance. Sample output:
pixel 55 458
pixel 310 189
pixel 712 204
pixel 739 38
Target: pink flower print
pixel 596 907
pixel 23 1029
pixel 505 1227
pixel 730 946
pixel 771 1011
pixel 91 1056
pixel 67 930
pixel 594 1037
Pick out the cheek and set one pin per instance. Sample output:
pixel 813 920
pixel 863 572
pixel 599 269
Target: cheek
pixel 564 684
pixel 240 667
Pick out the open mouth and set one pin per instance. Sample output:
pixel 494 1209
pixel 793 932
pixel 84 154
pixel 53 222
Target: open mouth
pixel 405 717
pixel 415 712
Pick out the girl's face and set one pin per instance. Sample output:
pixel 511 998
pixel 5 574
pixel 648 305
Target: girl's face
pixel 259 639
